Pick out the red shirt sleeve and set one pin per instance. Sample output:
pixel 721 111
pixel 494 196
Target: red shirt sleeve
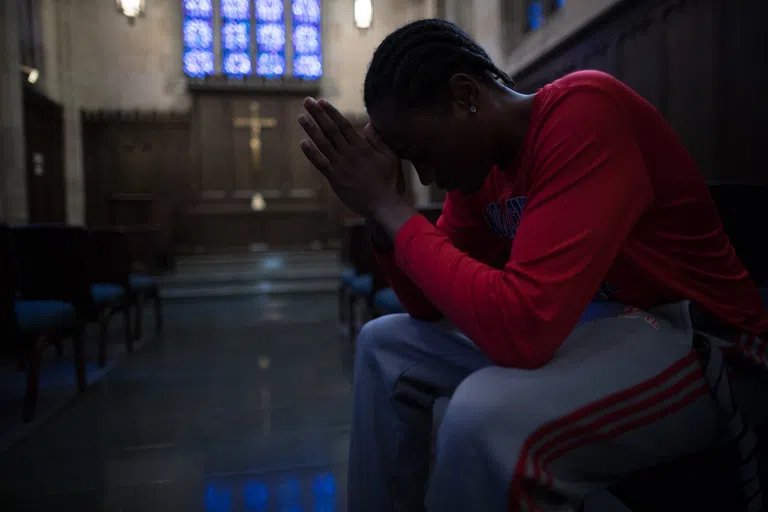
pixel 464 226
pixel 588 186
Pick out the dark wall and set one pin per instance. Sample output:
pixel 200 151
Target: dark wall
pixel 44 154
pixel 700 62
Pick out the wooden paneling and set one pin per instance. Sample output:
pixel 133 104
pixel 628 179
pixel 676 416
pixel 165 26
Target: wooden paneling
pixel 44 152
pixel 299 211
pixel 698 61
pixel 137 166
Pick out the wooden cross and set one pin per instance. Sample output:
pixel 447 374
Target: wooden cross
pixel 255 123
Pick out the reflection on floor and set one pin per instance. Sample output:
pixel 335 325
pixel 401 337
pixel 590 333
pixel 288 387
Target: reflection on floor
pixel 243 405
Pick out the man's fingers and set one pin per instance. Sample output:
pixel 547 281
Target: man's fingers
pixel 376 141
pixel 317 158
pixel 342 122
pixel 328 127
pixel 321 142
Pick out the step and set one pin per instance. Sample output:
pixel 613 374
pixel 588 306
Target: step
pixel 250 289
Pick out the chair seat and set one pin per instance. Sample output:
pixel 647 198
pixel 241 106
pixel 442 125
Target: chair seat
pixel 140 283
pixel 38 316
pixel 107 294
pixel 386 302
pixel 347 276
pixel 362 285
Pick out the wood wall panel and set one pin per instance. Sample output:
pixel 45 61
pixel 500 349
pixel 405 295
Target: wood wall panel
pixel 136 169
pixel 698 61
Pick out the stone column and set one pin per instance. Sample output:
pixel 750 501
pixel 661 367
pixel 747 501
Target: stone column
pixel 70 100
pixel 13 179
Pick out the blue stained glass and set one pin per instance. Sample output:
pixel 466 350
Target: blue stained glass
pixel 308 66
pixel 198 8
pixel 270 64
pixel 306 11
pixel 235 9
pixel 256 496
pixel 269 10
pixel 271 37
pixel 198 63
pixel 235 35
pixel 237 63
pixel 535 14
pixel 198 34
pixel 306 39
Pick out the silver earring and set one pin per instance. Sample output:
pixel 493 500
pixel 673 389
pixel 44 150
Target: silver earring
pixel 472 109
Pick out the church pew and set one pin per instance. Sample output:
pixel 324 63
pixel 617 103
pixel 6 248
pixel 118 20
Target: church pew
pixel 115 264
pixel 57 263
pixel 28 327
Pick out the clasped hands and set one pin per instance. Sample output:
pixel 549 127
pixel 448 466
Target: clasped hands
pixel 363 172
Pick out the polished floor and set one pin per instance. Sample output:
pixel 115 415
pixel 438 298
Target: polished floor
pixel 242 405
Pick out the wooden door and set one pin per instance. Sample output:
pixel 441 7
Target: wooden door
pixel 44 152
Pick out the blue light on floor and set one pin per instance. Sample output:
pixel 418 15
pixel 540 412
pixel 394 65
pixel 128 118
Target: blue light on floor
pixel 256 496
pixel 217 499
pixel 289 496
pixel 324 493
pixel 273 262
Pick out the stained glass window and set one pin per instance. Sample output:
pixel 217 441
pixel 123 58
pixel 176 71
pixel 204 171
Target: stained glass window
pixel 198 37
pixel 535 14
pixel 226 43
pixel 235 9
pixel 270 38
pixel 307 47
pixel 236 37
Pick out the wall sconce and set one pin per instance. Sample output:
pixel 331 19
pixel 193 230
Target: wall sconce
pixel 32 73
pixel 131 9
pixel 363 13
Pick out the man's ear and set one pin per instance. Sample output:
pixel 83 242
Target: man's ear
pixel 465 92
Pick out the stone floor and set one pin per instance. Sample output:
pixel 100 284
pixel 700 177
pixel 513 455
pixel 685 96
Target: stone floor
pixel 242 405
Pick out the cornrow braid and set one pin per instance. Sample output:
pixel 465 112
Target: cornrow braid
pixel 413 64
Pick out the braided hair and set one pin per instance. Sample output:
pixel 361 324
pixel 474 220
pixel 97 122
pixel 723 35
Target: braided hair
pixel 413 65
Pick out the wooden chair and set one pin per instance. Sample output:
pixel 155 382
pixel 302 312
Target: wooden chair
pixel 385 301
pixel 27 327
pixel 114 264
pixel 57 263
pixel 706 481
pixel 353 236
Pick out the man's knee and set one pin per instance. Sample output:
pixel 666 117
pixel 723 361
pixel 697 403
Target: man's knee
pixel 380 335
pixel 476 413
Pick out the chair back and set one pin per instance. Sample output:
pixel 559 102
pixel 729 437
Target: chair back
pixel 112 256
pixel 56 263
pixel 743 210
pixel 9 282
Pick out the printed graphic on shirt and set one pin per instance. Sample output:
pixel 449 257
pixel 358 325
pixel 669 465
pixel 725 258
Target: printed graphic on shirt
pixel 504 221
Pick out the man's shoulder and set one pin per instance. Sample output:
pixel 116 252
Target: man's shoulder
pixel 588 79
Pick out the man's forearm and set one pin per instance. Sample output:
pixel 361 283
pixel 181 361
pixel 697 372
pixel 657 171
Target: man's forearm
pixel 392 216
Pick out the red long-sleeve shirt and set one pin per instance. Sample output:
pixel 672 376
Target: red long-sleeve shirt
pixel 603 198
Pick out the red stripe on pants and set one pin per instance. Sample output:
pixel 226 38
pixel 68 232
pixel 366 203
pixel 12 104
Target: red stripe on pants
pixel 517 490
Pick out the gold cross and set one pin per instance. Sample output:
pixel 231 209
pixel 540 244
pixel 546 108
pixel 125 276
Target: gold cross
pixel 255 123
